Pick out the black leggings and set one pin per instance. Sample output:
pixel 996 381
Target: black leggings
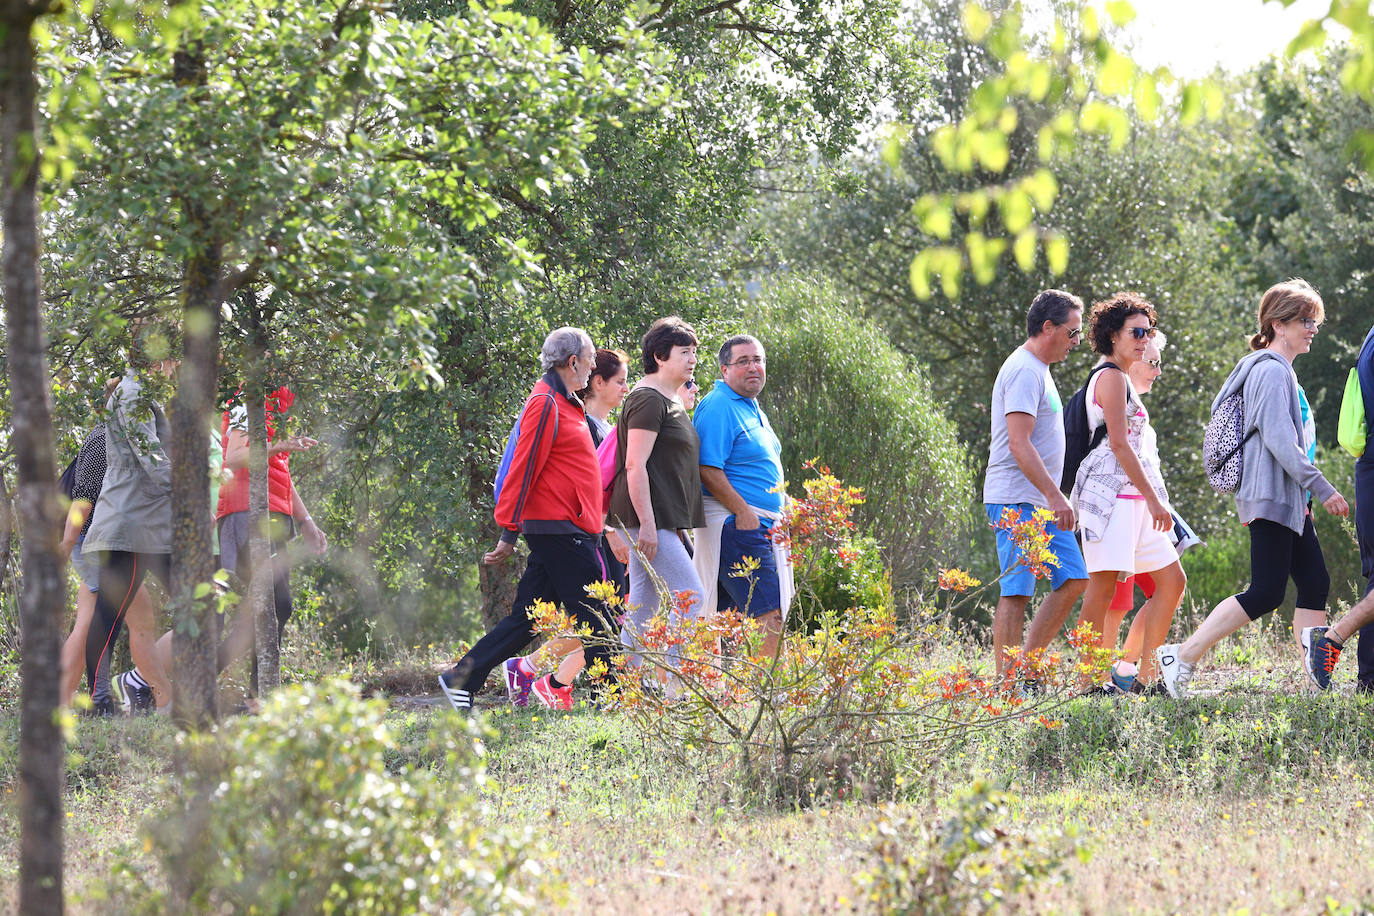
pixel 121 574
pixel 1277 554
pixel 560 568
pixel 243 631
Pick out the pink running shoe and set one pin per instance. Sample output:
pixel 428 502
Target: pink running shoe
pixel 518 683
pixel 551 696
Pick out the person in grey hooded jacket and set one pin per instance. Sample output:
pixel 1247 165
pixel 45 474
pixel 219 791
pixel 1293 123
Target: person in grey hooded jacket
pixel 1278 484
pixel 132 532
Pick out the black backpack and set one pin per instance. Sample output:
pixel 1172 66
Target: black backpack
pixel 1079 439
pixel 67 482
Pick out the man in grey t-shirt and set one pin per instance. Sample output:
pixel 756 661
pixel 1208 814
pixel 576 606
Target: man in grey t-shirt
pixel 1025 462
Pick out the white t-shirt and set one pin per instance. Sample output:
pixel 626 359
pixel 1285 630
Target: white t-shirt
pixel 1024 385
pixel 1149 442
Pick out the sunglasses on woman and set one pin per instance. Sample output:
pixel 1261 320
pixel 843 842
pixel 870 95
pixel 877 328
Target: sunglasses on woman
pixel 1141 333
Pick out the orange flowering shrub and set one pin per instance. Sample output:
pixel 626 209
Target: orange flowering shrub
pixel 1031 539
pixel 823 518
pixel 829 711
pixel 956 580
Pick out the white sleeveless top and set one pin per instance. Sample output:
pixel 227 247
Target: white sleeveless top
pixel 1140 433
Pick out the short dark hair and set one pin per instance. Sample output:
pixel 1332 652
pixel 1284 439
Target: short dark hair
pixel 662 336
pixel 730 344
pixel 1050 305
pixel 1109 316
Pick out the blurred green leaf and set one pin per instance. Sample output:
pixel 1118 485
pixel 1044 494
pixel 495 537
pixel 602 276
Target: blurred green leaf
pixel 1057 253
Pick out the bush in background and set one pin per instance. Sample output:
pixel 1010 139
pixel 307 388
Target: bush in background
pixel 826 584
pixel 838 390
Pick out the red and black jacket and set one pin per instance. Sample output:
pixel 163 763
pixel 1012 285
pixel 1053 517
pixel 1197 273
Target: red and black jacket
pixel 554 482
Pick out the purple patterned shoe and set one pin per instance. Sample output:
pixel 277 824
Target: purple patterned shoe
pixel 518 683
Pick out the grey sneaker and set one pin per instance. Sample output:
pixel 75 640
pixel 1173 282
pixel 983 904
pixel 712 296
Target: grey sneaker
pixel 1319 655
pixel 1173 670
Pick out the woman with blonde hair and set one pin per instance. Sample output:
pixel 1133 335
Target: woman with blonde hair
pixel 1278 483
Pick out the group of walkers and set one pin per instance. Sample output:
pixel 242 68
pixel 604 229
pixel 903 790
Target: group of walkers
pixel 667 501
pixel 1113 525
pixel 695 491
pixel 119 532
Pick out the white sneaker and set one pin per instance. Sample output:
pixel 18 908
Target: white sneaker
pixel 1173 670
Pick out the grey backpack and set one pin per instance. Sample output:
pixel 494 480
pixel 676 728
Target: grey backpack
pixel 1223 444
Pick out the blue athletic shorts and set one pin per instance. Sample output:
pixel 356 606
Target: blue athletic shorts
pixel 759 593
pixel 1020 581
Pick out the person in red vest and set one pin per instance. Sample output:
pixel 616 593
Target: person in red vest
pixel 287 516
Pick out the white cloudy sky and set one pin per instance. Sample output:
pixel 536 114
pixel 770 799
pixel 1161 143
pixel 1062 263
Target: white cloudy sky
pixel 1192 36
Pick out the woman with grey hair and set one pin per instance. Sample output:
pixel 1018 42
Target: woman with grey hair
pixel 552 496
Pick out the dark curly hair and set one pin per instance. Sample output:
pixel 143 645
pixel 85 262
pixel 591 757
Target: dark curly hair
pixel 1109 316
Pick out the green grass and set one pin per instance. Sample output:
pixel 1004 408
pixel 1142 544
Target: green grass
pixel 1257 799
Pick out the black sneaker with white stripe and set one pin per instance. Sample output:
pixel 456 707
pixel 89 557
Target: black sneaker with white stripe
pixel 138 696
pixel 458 698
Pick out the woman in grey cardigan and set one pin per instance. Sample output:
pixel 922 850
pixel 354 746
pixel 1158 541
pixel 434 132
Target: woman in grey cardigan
pixel 1278 483
pixel 132 533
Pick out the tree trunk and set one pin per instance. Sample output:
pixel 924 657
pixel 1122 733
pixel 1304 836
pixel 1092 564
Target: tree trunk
pixel 193 409
pixel 8 529
pixel 267 670
pixel 41 751
pixel 497 583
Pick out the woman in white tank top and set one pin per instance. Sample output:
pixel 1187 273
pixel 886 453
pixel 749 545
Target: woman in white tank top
pixel 1119 496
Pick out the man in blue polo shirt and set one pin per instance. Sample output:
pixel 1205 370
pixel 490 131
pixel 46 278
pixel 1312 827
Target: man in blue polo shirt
pixel 741 475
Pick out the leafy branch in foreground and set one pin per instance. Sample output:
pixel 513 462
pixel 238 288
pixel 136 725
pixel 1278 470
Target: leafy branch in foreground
pixel 305 807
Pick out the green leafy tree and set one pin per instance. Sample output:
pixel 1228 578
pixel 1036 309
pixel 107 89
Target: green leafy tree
pixel 300 150
pixel 1139 218
pixel 656 225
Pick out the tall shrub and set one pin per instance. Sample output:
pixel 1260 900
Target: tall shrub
pixel 838 390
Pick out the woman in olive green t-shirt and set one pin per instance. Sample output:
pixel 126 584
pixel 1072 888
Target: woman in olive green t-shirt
pixel 657 491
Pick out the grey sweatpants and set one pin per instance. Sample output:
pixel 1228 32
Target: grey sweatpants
pixel 674 566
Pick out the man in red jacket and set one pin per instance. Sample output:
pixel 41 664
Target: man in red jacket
pixel 552 495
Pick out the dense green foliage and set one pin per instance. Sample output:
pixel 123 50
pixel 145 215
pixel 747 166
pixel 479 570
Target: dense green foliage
pixel 839 392
pixel 667 159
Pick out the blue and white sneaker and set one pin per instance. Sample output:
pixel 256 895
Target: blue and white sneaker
pixel 1125 683
pixel 459 699
pixel 1319 655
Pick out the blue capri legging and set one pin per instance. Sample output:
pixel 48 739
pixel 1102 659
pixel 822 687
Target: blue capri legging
pixel 1278 554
